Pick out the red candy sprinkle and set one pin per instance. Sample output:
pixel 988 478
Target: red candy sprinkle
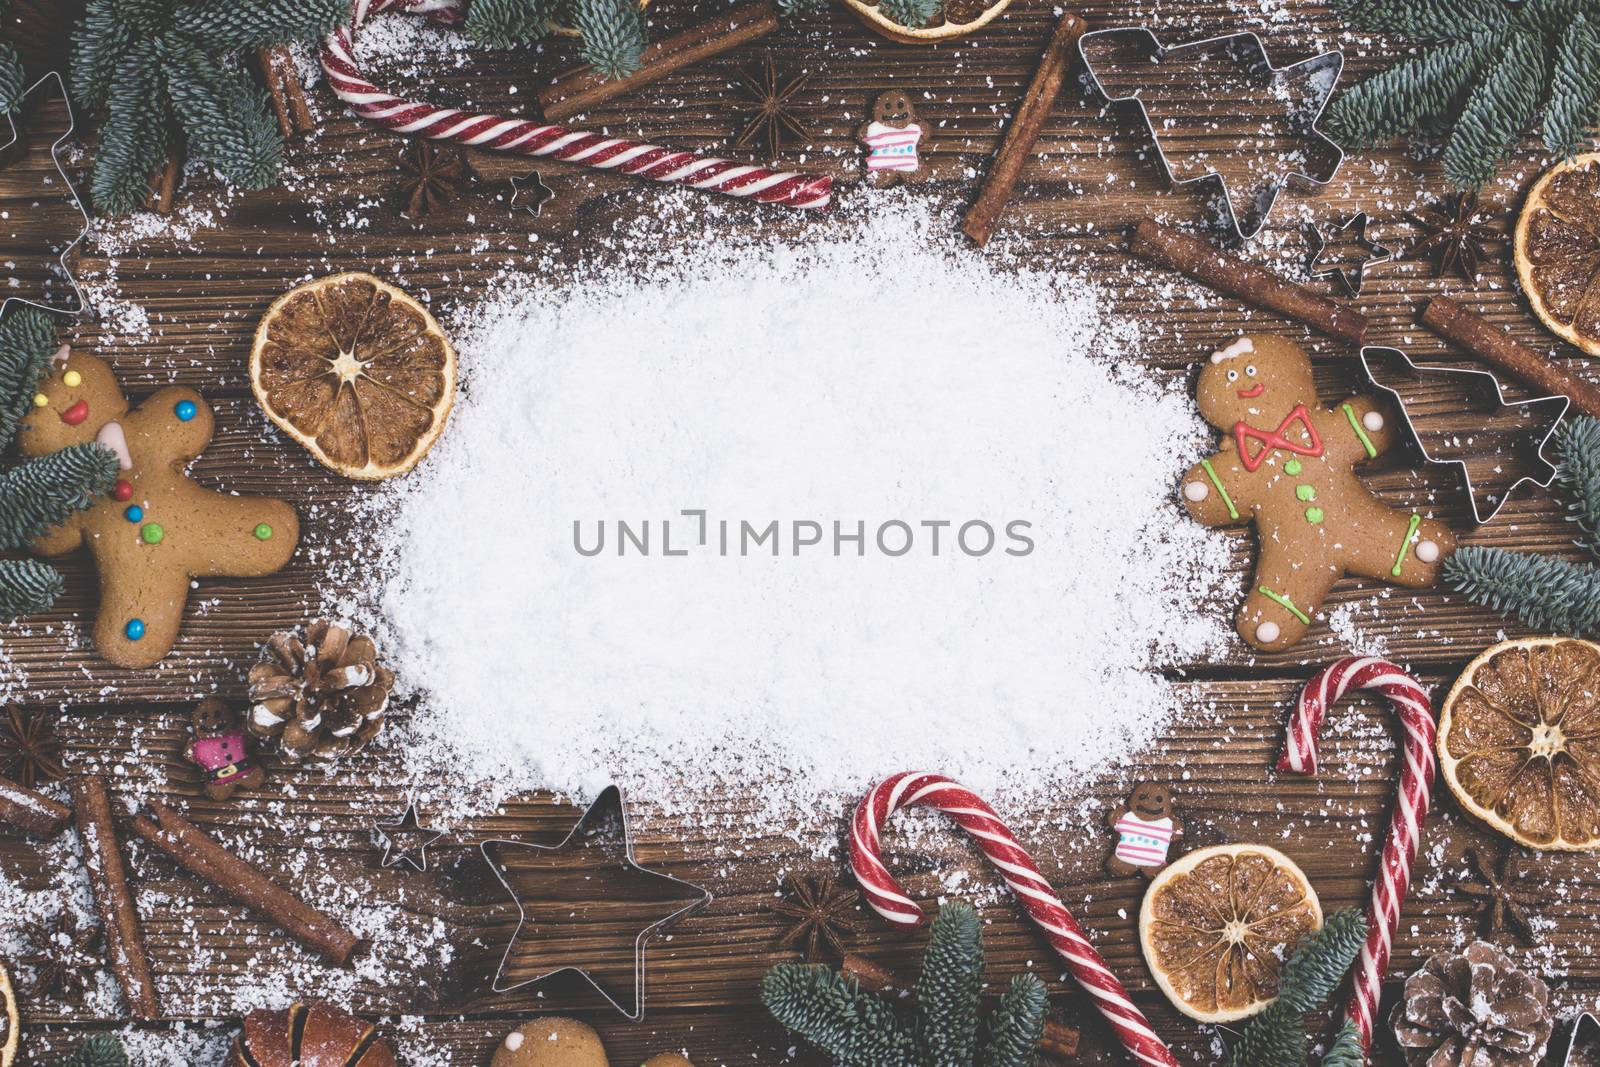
pixel 76 413
pixel 121 491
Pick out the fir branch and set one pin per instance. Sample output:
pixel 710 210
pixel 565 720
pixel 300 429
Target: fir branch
pixel 27 341
pixel 1017 1024
pixel 613 35
pixel 856 1029
pixel 791 9
pixel 44 492
pixel 1574 107
pixel 1346 1050
pixel 134 139
pixel 1274 1038
pixel 99 1050
pixel 1405 96
pixel 98 44
pixel 1497 111
pixel 226 25
pixel 1424 20
pixel 225 115
pixel 949 987
pixel 912 14
pixel 27 586
pixel 13 79
pixel 1578 469
pixel 503 23
pixel 1320 961
pixel 1543 593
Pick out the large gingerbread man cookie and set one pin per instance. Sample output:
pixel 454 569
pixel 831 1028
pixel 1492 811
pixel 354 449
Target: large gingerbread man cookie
pixel 1286 465
pixel 157 529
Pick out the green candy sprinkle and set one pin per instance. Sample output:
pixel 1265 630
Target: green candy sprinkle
pixel 1305 493
pixel 263 531
pixel 1313 515
pixel 152 533
pixel 1293 467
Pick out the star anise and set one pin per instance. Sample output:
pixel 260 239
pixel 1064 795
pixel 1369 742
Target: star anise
pixel 1455 235
pixel 821 911
pixel 430 177
pixel 1502 903
pixel 29 751
pixel 771 117
pixel 63 959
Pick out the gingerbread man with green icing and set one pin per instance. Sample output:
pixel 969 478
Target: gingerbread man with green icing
pixel 156 530
pixel 1287 465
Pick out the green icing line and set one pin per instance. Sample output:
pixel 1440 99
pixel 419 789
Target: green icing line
pixel 1287 604
pixel 1355 424
pixel 1405 545
pixel 1233 512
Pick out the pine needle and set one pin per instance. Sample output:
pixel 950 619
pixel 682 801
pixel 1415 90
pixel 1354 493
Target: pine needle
pixel 1578 469
pixel 1541 592
pixel 27 586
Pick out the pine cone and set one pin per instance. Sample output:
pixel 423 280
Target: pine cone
pixel 321 697
pixel 1473 1010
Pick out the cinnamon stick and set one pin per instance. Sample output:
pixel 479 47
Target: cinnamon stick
pixel 31 812
pixel 164 186
pixel 575 91
pixel 113 896
pixel 1059 1040
pixel 205 858
pixel 288 97
pixel 1493 345
pixel 1230 274
pixel 1026 125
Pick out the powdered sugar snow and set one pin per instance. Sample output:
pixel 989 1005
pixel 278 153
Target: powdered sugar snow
pixel 743 418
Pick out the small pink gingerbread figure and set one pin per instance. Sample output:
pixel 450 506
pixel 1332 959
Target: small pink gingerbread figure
pixel 1145 831
pixel 221 750
pixel 891 138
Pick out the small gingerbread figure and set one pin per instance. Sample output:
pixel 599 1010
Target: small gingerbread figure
pixel 221 750
pixel 1145 830
pixel 157 529
pixel 1286 464
pixel 891 138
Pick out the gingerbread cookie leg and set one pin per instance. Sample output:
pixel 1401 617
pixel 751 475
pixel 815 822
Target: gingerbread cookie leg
pixel 1402 548
pixel 1285 595
pixel 140 610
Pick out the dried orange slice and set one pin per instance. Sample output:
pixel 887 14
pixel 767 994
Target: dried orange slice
pixel 11 1023
pixel 357 371
pixel 1519 741
pixel 960 17
pixel 1557 250
pixel 1217 925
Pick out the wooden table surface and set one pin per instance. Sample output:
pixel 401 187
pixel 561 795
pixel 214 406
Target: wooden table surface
pixel 203 282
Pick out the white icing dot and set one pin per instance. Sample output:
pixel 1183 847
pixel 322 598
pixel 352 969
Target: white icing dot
pixel 1196 491
pixel 1427 551
pixel 514 1040
pixel 1267 632
pixel 1373 421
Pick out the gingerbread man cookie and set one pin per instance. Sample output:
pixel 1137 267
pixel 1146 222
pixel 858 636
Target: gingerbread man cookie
pixel 891 139
pixel 157 529
pixel 1286 464
pixel 1145 831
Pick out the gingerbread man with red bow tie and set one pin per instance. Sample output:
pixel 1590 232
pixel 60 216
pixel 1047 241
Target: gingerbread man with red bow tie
pixel 1287 464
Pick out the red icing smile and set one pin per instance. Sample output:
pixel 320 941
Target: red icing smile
pixel 76 413
pixel 1252 393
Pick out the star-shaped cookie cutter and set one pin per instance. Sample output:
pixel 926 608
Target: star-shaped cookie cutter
pixel 1331 62
pixel 1350 279
pixel 530 194
pixel 1482 378
pixel 80 303
pixel 395 849
pixel 608 804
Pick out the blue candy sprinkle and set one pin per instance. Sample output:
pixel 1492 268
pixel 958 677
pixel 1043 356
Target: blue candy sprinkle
pixel 185 410
pixel 134 513
pixel 134 629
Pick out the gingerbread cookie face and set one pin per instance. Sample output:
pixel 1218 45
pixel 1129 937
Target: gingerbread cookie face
pixel 1287 465
pixel 552 1042
pixel 157 529
pixel 892 137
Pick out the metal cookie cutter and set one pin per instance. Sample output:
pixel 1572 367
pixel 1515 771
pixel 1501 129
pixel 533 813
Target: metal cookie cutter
pixel 1320 72
pixel 78 303
pixel 1583 1049
pixel 1351 279
pixel 607 806
pixel 1484 381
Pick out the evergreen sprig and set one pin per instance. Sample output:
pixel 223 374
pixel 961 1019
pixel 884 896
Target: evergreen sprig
pixel 1578 469
pixel 27 586
pixel 612 32
pixel 45 492
pixel 1277 1036
pixel 857 1029
pixel 100 1050
pixel 27 341
pixel 1487 72
pixel 162 66
pixel 912 14
pixel 1346 1050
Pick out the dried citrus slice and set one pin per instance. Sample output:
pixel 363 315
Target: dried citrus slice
pixel 959 17
pixel 1217 925
pixel 1519 741
pixel 357 371
pixel 1557 250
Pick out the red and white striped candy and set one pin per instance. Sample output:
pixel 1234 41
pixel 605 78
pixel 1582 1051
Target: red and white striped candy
pixel 1043 905
pixel 520 136
pixel 1410 701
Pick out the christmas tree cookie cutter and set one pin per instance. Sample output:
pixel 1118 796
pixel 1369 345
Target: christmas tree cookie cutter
pixel 1485 505
pixel 1583 1048
pixel 78 303
pixel 607 807
pixel 1320 73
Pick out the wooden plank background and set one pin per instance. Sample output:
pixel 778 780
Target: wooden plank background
pixel 1094 175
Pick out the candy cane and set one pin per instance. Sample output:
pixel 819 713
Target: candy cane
pixel 1411 702
pixel 536 139
pixel 1044 907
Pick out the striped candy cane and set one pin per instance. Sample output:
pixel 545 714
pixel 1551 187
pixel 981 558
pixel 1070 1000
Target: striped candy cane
pixel 1044 907
pixel 1410 702
pixel 523 137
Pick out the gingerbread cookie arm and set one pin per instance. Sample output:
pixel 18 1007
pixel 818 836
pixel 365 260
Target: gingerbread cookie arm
pixel 1396 546
pixel 1362 431
pixel 1213 491
pixel 62 539
pixel 174 422
pixel 235 536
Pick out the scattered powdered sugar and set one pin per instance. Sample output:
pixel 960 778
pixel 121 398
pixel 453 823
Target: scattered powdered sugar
pixel 871 376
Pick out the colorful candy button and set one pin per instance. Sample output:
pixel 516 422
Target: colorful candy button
pixel 133 513
pixel 1313 515
pixel 134 629
pixel 185 410
pixel 1305 493
pixel 122 490
pixel 76 413
pixel 263 531
pixel 1293 467
pixel 152 533
pixel 72 379
pixel 40 400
